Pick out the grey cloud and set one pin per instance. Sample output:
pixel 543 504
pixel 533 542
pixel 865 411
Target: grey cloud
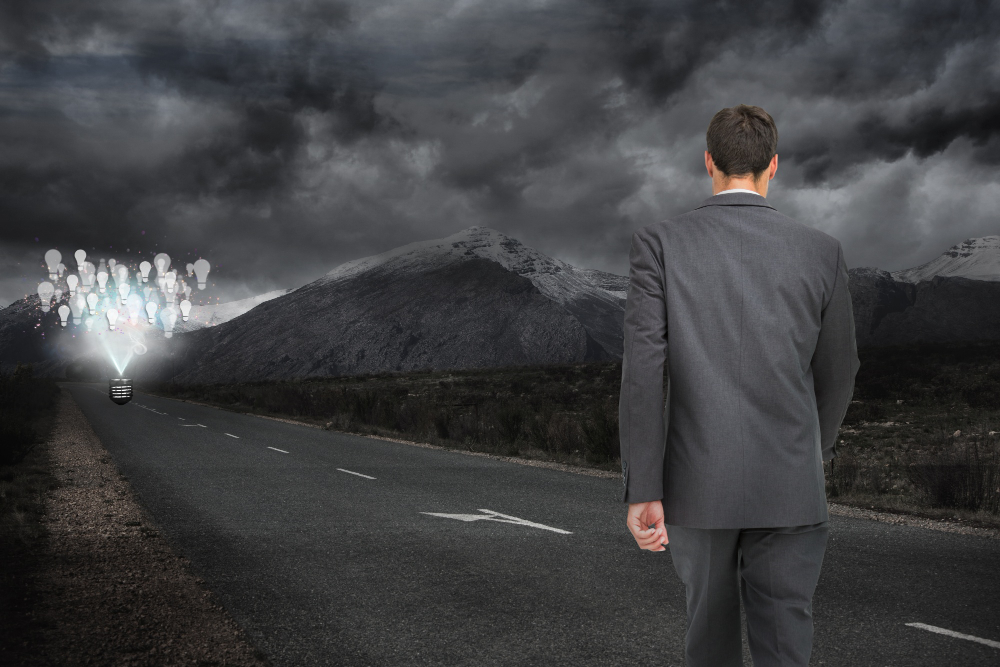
pixel 286 138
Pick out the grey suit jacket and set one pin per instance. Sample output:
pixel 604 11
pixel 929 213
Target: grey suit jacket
pixel 749 314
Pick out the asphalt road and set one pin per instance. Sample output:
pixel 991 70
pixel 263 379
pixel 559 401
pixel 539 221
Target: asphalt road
pixel 319 544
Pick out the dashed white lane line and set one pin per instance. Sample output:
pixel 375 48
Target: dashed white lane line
pixel 182 419
pixel 278 450
pixel 952 633
pixel 201 425
pixel 233 436
pixel 356 473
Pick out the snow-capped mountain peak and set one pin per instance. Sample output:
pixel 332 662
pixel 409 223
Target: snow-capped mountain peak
pixel 553 277
pixel 976 259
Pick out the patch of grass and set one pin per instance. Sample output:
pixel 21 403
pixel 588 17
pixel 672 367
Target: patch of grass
pixel 27 406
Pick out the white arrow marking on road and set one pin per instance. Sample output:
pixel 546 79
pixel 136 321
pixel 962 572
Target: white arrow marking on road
pixel 952 633
pixel 356 473
pixel 492 516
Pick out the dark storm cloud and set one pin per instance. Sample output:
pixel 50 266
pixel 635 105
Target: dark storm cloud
pixel 284 138
pixel 658 46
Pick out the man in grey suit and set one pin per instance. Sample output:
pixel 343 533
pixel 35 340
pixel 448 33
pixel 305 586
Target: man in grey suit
pixel 749 313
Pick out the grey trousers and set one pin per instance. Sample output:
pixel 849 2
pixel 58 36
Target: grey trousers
pixel 776 571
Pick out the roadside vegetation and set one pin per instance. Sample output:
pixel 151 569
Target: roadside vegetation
pixel 27 406
pixel 921 436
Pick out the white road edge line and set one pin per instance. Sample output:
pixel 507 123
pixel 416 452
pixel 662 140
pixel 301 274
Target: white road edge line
pixel 233 436
pixel 356 473
pixel 278 450
pixel 952 633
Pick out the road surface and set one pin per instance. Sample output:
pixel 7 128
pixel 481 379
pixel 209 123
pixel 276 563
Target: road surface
pixel 334 549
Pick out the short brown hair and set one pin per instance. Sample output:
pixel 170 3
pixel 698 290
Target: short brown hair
pixel 742 140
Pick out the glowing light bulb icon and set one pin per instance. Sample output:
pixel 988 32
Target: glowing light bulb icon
pixel 90 323
pixel 45 291
pixel 77 304
pixel 134 305
pixel 190 269
pixel 102 279
pixel 111 265
pixel 144 268
pixel 121 273
pixel 63 313
pixel 170 280
pixel 52 258
pixel 92 302
pixel 58 294
pixel 112 317
pixel 162 263
pixel 151 311
pixel 201 269
pixel 72 281
pixel 185 309
pixel 169 318
pixel 61 269
pixel 80 256
pixel 87 276
pixel 123 290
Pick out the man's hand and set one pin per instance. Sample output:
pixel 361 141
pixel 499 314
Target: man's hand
pixel 643 515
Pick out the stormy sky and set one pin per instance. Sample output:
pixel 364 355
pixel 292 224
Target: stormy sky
pixel 280 139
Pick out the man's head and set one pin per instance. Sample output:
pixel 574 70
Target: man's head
pixel 742 148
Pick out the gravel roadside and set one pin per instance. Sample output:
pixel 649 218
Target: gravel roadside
pixel 107 589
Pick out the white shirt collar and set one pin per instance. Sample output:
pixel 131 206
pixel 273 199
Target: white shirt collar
pixel 739 190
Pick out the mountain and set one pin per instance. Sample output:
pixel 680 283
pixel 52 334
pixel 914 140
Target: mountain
pixel 976 259
pixel 214 314
pixel 477 298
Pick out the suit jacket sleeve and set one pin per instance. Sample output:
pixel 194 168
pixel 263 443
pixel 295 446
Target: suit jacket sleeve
pixel 640 407
pixel 835 362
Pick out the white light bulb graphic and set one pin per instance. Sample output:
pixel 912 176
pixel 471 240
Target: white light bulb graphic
pixel 87 276
pixel 134 305
pixel 77 304
pixel 81 256
pixel 92 302
pixel 58 294
pixel 201 269
pixel 112 317
pixel 63 313
pixel 61 269
pixel 162 263
pixel 151 311
pixel 146 291
pixel 72 281
pixel 102 279
pixel 111 265
pixel 168 317
pixel 185 309
pixel 90 323
pixel 170 279
pixel 121 273
pixel 45 291
pixel 144 268
pixel 52 258
pixel 190 269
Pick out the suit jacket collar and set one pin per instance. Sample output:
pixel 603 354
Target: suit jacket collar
pixel 736 199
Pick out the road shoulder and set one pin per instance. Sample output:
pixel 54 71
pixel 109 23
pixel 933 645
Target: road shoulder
pixel 108 589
